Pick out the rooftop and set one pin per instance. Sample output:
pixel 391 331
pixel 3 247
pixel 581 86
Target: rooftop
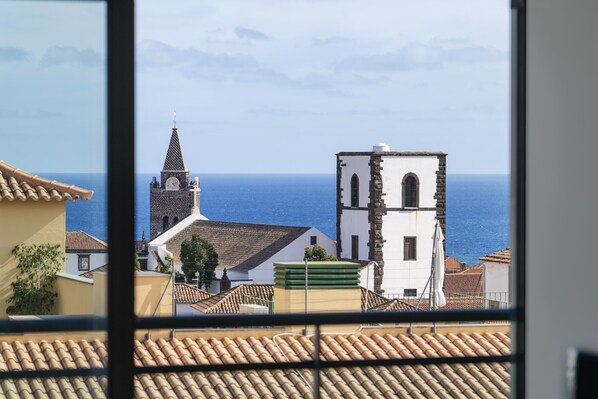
pixel 432 381
pixel 16 184
pixel 185 293
pixel 502 256
pixel 80 240
pixel 240 246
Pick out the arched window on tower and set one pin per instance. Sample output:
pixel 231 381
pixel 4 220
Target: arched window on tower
pixel 354 191
pixel 175 220
pixel 165 224
pixel 410 191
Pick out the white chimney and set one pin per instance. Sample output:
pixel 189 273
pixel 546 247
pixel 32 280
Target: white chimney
pixel 381 147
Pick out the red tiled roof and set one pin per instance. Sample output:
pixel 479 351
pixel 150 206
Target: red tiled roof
pixel 483 380
pixel 502 256
pixel 185 293
pixel 80 240
pixel 452 264
pixel 229 301
pixel 463 283
pixel 18 185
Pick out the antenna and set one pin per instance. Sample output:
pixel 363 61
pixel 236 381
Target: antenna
pixel 174 119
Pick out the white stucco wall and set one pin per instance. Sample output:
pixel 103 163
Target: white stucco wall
pixel 358 165
pixel 264 273
pixel 396 224
pixel 496 279
pixel 354 222
pixel 95 260
pixel 395 168
pixel 400 274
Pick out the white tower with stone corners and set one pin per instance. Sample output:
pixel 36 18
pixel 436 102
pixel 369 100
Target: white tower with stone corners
pixel 387 206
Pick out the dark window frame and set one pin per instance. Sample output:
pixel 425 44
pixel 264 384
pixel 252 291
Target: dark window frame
pixel 410 292
pixel 313 240
pixel 80 258
pixel 121 321
pixel 354 191
pixel 355 247
pixel 410 194
pixel 410 248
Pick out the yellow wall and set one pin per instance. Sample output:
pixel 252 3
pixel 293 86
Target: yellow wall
pixel 75 297
pixel 318 301
pixel 149 287
pixel 29 222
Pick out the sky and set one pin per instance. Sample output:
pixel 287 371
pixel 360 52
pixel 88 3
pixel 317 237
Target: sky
pixel 261 86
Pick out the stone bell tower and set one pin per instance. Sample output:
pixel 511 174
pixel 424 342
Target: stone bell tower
pixel 171 198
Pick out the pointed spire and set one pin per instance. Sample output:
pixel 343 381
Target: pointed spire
pixel 174 157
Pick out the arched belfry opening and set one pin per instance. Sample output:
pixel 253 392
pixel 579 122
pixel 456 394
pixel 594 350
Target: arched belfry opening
pixel 410 191
pixel 354 191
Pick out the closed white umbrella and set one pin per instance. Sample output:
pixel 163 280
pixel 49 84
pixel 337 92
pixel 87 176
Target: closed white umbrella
pixel 439 299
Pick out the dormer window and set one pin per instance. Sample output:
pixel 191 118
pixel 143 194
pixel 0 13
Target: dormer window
pixel 410 191
pixel 354 191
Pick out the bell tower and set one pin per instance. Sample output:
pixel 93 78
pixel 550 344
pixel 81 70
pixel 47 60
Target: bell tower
pixel 173 197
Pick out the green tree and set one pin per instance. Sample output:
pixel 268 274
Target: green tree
pixel 317 253
pixel 199 255
pixel 165 268
pixel 33 289
pixel 136 264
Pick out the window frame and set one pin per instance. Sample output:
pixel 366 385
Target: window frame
pixel 80 258
pixel 121 322
pixel 354 191
pixel 412 240
pixel 415 191
pixel 354 247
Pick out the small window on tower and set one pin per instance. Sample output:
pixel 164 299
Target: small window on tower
pixel 410 248
pixel 410 191
pixel 165 224
pixel 354 191
pixel 313 240
pixel 355 247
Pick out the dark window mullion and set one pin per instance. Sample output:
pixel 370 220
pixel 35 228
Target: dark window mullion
pixel 121 196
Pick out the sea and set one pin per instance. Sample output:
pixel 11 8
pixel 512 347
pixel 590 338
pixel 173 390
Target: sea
pixel 477 206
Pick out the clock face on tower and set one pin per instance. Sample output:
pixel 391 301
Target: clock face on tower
pixel 172 184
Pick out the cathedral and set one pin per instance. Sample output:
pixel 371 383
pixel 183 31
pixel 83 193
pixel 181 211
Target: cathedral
pixel 174 197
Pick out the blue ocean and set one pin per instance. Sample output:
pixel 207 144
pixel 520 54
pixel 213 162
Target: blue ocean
pixel 477 206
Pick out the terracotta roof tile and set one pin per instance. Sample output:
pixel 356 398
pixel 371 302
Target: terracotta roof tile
pixel 229 301
pixel 502 256
pixel 16 184
pixel 240 246
pixel 463 283
pixel 185 293
pixel 431 382
pixel 452 265
pixel 80 240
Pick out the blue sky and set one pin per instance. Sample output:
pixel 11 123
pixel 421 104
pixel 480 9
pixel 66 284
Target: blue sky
pixel 269 86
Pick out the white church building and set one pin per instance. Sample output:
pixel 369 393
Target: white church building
pixel 387 206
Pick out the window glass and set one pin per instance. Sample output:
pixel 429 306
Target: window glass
pixel 53 251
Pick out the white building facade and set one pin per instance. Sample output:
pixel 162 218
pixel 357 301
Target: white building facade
pixel 387 206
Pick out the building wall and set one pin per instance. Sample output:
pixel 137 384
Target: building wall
pixel 95 260
pixel 400 274
pixel 295 251
pixel 29 222
pixel 168 203
pixel 561 189
pixel 149 287
pixel 397 222
pixel 75 295
pixel 496 279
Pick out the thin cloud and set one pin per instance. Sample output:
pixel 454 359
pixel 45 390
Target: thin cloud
pixel 56 55
pixel 246 33
pixel 433 55
pixel 8 54
pixel 333 41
